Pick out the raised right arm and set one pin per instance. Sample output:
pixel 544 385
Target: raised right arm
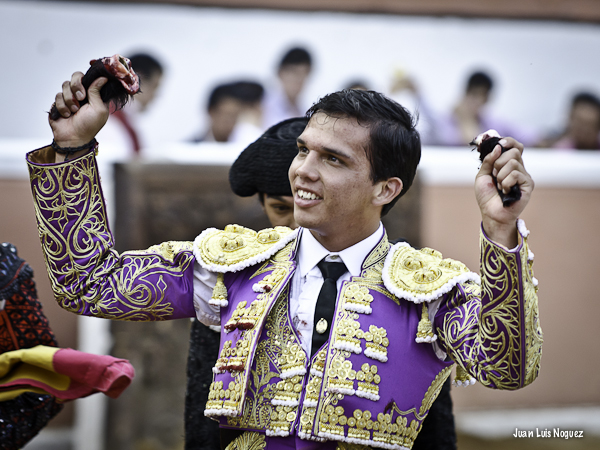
pixel 87 275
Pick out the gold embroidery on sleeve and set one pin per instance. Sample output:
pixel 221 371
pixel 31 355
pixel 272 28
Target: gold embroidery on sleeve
pixel 84 271
pixel 487 341
pixel 167 250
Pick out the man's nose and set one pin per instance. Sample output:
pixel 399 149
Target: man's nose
pixel 308 167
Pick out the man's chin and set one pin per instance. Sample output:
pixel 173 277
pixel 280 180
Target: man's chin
pixel 305 220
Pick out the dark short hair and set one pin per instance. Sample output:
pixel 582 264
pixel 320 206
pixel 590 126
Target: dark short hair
pixel 145 65
pixel 478 79
pixel 219 93
pixel 587 98
pixel 296 55
pixel 248 92
pixel 394 146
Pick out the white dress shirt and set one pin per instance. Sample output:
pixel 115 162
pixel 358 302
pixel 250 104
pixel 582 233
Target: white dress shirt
pixel 305 284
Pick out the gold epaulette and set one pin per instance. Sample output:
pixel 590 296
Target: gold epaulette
pixel 422 275
pixel 237 247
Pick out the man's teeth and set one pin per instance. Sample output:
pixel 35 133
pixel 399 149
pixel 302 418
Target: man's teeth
pixel 307 195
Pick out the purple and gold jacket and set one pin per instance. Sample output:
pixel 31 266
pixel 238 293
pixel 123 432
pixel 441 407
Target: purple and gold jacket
pixel 375 379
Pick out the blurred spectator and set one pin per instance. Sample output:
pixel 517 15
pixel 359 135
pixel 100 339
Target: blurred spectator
pixel 283 100
pixel 470 116
pixel 582 131
pixel 405 91
pixel 121 132
pixel 224 108
pixel 249 123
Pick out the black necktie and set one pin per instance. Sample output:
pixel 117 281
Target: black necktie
pixel 326 302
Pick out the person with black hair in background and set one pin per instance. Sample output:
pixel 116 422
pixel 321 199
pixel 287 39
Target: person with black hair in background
pixel 582 130
pixel 224 108
pixel 283 100
pixel 471 117
pixel 249 125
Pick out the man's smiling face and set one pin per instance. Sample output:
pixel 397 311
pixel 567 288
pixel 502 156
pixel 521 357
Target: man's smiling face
pixel 330 178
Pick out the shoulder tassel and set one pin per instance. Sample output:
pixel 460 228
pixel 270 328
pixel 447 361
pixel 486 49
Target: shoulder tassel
pixel 219 295
pixel 462 377
pixel 425 332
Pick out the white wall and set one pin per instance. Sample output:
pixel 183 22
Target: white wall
pixel 537 65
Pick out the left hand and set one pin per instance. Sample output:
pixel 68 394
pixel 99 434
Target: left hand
pixel 499 222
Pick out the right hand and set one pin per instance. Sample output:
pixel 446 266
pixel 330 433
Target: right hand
pixel 79 125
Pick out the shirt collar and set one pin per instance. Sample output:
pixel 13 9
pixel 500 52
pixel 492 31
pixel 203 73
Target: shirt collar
pixel 311 252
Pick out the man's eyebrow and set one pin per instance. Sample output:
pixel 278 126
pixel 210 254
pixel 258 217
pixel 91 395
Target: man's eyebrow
pixel 328 150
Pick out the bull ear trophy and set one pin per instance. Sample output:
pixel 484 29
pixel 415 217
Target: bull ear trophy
pixel 486 142
pixel 123 83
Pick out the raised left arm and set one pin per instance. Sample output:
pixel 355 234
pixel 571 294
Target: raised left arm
pixel 492 330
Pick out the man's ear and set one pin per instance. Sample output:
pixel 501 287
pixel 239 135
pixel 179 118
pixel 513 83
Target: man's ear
pixel 387 190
